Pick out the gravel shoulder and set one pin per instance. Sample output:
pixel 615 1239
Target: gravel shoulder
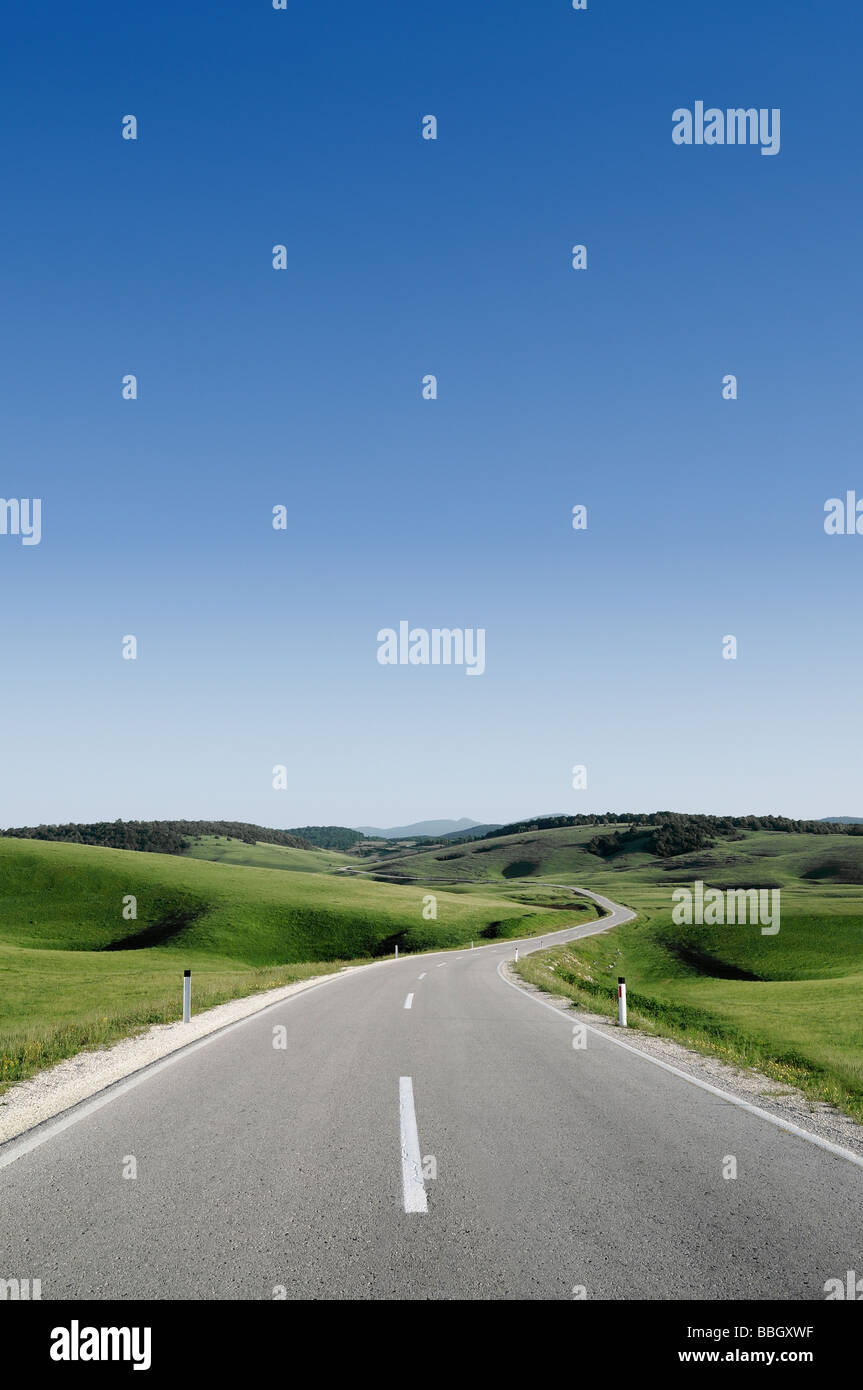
pixel 76 1079
pixel 783 1101
pixel 51 1092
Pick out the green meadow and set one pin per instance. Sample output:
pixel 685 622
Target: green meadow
pixel 221 849
pixel 504 859
pixel 775 858
pixel 790 1004
pixel 245 917
pixel 75 973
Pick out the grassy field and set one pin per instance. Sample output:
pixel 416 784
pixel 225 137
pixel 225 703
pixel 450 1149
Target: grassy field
pixel 789 1004
pixel 74 973
pixel 540 854
pixel 792 1004
pixel 220 849
pixel 774 858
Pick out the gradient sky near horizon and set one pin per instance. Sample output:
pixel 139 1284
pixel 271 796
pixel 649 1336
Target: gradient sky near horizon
pixel 302 387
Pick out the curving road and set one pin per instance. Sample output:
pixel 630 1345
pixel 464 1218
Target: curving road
pixel 427 1132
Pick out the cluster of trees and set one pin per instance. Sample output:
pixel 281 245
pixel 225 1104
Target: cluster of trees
pixel 711 825
pixel 329 836
pixel 157 836
pixel 680 836
pixel 563 822
pixel 667 833
pixel 724 825
pixel 663 833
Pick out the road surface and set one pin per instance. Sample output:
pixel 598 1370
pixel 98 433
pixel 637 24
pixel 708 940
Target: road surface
pixel 427 1132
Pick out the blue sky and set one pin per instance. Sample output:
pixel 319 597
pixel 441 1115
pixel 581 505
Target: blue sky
pixel 302 387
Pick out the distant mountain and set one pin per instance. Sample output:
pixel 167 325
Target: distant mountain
pixel 437 829
pixel 843 820
pixel 476 832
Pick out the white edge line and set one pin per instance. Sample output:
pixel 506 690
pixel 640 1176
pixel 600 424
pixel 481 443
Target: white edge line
pixel 422 976
pixel 19 1145
pixel 413 1187
pixel 786 1125
pixel 409 1001
pixel 41 1133
pixel 29 1139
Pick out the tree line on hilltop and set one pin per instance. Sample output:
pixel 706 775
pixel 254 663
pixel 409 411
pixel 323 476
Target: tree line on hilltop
pixel 662 833
pixel 666 833
pixel 176 836
pixel 329 836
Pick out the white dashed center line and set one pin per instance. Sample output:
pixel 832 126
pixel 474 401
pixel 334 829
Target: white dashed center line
pixel 412 1171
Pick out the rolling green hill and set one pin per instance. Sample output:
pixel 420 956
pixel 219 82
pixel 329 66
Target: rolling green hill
pixel 222 849
pixel 75 972
pixel 791 1003
pixel 533 855
pixel 775 858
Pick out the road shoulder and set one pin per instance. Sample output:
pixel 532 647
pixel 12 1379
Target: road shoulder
pixel 782 1101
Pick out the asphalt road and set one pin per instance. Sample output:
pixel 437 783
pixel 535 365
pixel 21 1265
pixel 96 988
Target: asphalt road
pixel 264 1169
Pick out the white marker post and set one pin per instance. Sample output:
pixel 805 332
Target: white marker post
pixel 621 1001
pixel 516 953
pixel 187 996
pixel 397 950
